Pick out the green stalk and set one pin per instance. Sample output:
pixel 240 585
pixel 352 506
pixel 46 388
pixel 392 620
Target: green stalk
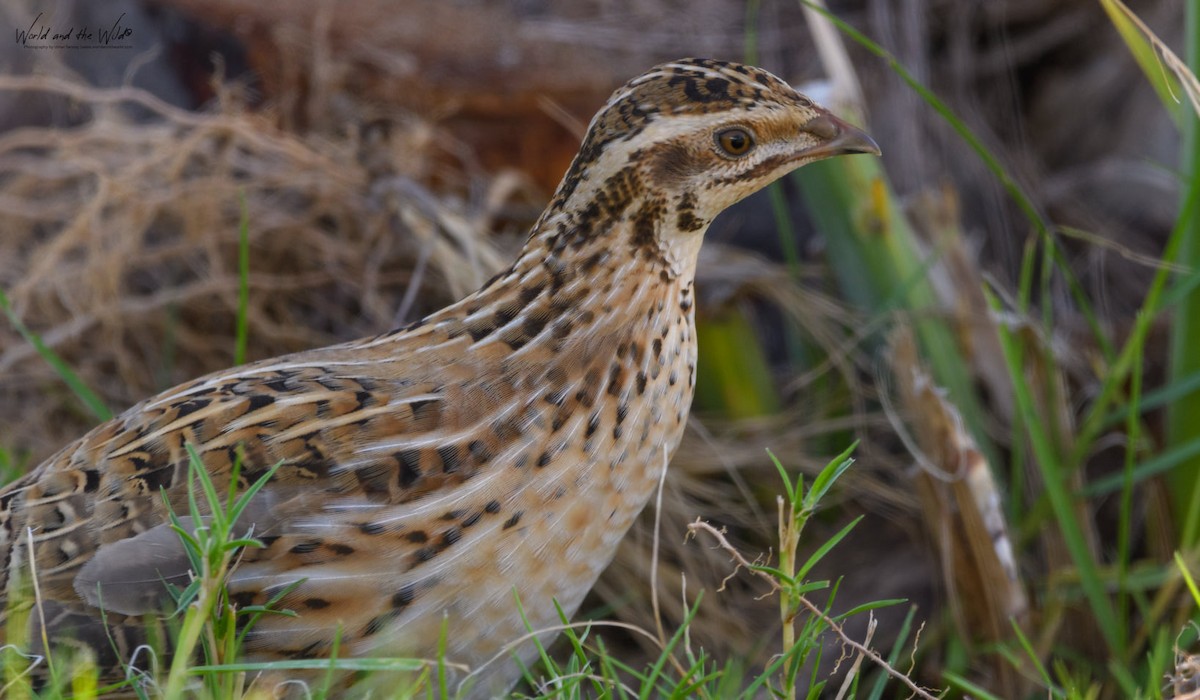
pixel 1182 426
pixel 789 542
pixel 879 264
pixel 189 637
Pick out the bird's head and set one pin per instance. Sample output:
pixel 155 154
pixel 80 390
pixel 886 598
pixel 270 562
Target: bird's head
pixel 720 130
pixel 680 143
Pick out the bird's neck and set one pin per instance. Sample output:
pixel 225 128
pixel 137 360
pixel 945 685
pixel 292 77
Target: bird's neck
pixel 608 256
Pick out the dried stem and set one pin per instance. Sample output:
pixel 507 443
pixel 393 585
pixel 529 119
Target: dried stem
pixel 918 691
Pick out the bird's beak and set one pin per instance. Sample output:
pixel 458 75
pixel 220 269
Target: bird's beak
pixel 837 138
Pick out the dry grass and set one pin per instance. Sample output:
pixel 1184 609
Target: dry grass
pixel 121 239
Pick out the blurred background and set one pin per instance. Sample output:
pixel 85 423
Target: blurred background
pixel 390 157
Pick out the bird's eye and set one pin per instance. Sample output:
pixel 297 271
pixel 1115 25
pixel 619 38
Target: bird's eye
pixel 735 142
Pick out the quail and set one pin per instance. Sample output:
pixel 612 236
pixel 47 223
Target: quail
pixel 499 447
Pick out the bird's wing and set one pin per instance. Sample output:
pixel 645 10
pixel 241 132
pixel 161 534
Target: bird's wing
pixel 341 432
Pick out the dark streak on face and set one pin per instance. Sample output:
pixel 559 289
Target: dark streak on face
pixel 674 162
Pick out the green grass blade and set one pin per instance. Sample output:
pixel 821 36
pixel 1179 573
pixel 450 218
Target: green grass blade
pixel 656 671
pixel 198 472
pixel 1133 426
pixel 826 546
pixel 1162 396
pixel 969 689
pixel 91 401
pixel 893 656
pixel 343 664
pixel 787 480
pixel 873 605
pixel 828 476
pixel 1114 381
pixel 1164 81
pixel 1061 500
pixel 1160 662
pixel 544 655
pixel 1182 426
pixel 1162 463
pixel 1032 655
pixel 1187 578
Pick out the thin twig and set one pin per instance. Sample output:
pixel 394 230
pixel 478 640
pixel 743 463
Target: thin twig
pixel 37 599
pixel 848 681
pixel 424 252
pixel 875 658
pixel 658 624
pixel 506 651
pixel 544 687
pixel 35 660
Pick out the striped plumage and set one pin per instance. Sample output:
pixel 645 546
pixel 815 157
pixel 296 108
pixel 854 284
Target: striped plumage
pixel 503 443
